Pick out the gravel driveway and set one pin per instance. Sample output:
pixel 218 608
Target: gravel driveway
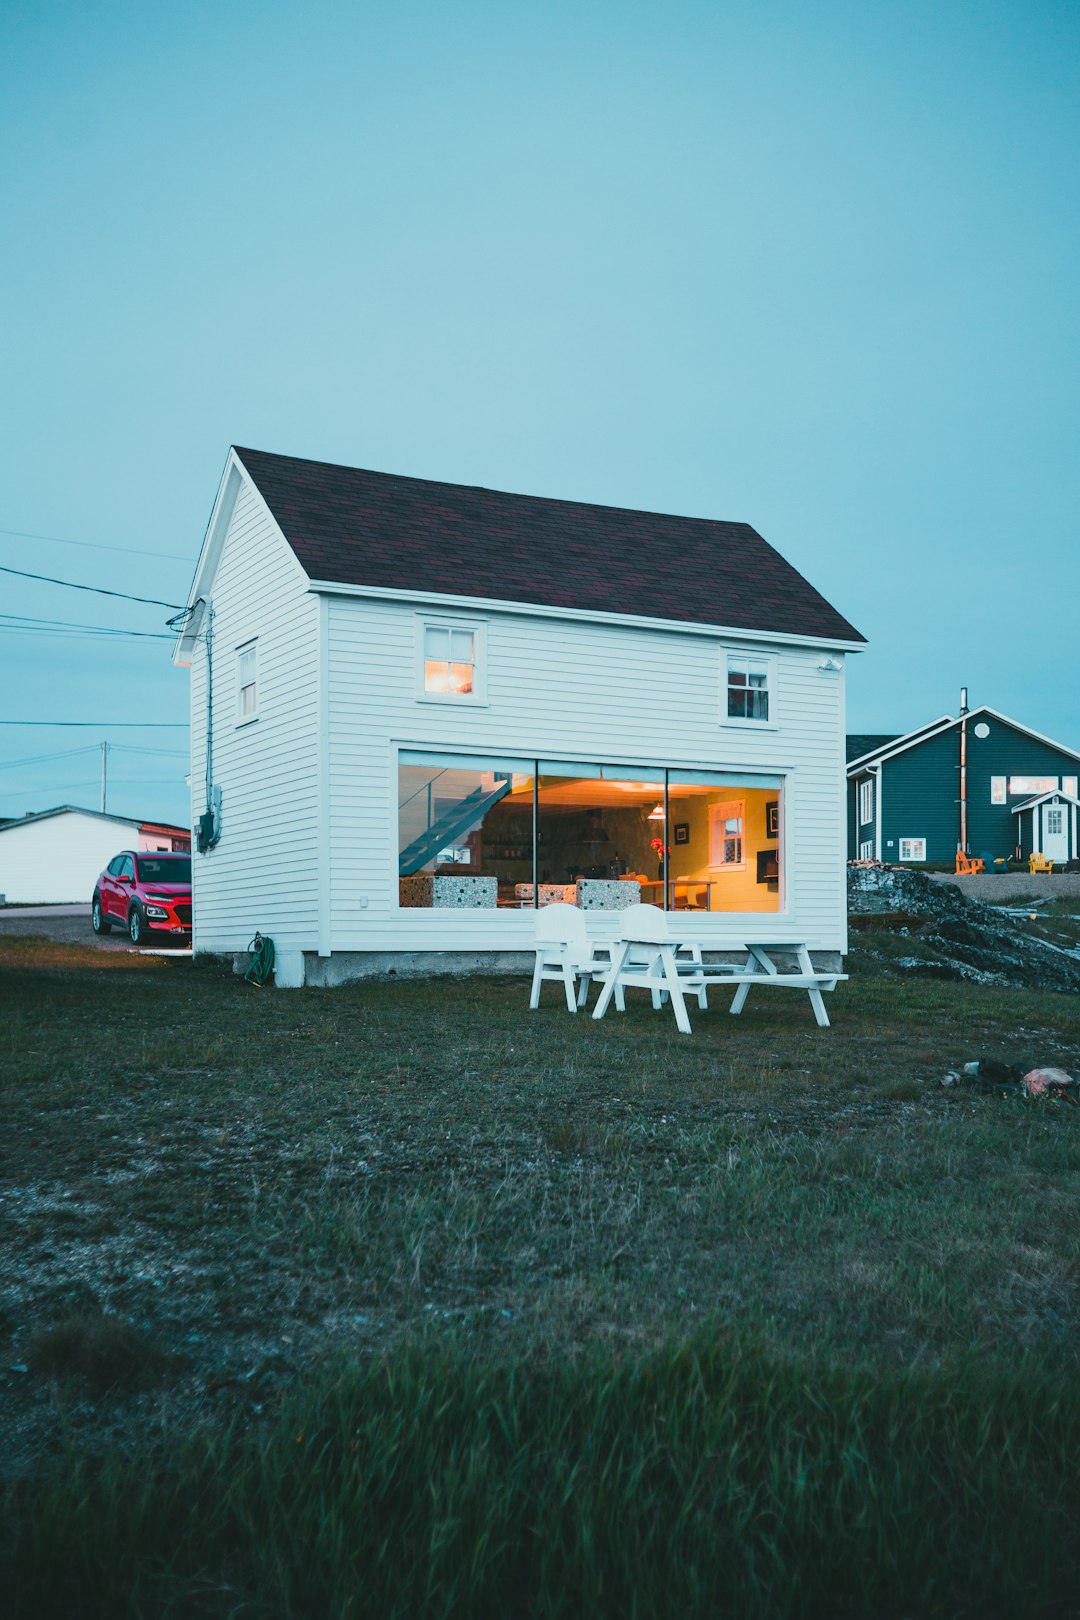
pixel 70 925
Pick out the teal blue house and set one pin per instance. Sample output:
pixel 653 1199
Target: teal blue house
pixel 980 782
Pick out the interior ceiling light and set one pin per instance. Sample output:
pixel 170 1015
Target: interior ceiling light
pixel 656 813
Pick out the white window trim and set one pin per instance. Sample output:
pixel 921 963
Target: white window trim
pixel 740 724
pixel 717 839
pixel 909 857
pixel 866 850
pixel 251 645
pixel 477 628
pixel 1050 784
pixel 1069 786
pixel 999 790
pixel 866 802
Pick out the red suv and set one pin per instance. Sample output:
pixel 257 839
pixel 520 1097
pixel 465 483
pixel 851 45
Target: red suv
pixel 144 891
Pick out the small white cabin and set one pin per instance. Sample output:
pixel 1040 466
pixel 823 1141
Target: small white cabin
pixel 421 710
pixel 53 857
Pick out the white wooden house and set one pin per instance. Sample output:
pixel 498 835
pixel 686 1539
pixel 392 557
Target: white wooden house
pixel 420 710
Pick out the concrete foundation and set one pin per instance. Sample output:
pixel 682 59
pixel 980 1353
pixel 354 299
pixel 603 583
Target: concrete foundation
pixel 347 967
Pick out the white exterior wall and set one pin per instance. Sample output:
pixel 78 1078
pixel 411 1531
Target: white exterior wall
pixel 57 860
pixel 262 874
pixel 561 689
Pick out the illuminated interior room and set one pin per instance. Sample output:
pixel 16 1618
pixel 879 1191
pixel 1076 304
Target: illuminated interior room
pixel 512 833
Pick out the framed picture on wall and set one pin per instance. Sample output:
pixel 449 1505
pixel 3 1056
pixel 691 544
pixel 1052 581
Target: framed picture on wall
pixel 681 832
pixel 772 818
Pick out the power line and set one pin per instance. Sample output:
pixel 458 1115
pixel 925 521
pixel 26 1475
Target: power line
pixel 63 753
pixel 77 624
pixel 107 725
pixel 95 545
pixel 158 753
pixel 83 632
pixel 114 781
pixel 98 590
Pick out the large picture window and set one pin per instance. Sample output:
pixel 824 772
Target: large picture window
pixel 465 829
pixel 504 833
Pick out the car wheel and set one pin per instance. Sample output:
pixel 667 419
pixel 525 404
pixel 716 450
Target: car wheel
pixel 136 926
pixel 98 920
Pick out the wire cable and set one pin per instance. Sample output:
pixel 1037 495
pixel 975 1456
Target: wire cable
pixel 98 590
pixel 20 621
pixel 107 725
pixel 64 753
pixel 95 545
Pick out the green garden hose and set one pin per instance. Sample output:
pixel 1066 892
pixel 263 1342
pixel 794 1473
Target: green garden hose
pixel 262 960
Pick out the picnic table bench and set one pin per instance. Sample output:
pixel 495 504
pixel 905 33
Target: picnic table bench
pixel 671 966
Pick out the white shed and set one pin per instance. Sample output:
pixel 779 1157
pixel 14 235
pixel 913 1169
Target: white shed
pixel 53 857
pixel 421 710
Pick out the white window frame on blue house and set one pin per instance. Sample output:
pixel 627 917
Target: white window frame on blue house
pixel 866 802
pixel 912 849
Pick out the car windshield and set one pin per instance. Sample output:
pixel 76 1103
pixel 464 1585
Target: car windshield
pixel 164 868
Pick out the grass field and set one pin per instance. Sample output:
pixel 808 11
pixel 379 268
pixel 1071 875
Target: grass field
pixel 397 1299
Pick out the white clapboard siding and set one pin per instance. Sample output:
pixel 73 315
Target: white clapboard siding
pixel 56 859
pixel 262 875
pixel 567 690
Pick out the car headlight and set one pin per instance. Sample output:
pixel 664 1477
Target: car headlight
pixel 156 911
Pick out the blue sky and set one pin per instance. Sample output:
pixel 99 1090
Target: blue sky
pixel 813 267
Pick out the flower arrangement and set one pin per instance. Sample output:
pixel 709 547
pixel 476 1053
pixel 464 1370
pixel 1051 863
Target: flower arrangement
pixel 660 847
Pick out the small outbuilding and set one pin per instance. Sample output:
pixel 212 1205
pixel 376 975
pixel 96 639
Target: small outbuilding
pixel 53 857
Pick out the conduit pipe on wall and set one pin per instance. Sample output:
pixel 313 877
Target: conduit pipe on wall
pixel 963 770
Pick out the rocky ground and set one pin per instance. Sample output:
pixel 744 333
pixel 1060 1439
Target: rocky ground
pixel 938 931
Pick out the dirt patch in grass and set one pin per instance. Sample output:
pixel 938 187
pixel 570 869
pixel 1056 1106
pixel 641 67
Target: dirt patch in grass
pixel 259 1185
pixel 31 952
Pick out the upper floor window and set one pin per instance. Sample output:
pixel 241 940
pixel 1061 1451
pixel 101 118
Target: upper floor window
pixel 1032 784
pixel 997 790
pixel 747 688
pixel 1068 785
pixel 866 801
pixel 451 659
pixel 247 693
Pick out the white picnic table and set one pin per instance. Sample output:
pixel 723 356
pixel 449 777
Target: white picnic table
pixel 674 968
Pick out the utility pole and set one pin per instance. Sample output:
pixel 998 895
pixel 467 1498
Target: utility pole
pixel 963 769
pixel 104 773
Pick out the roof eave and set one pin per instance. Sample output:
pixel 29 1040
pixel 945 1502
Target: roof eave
pixel 491 604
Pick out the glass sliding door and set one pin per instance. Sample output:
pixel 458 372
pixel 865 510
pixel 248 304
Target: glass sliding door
pixel 600 822
pixel 725 833
pixel 491 831
pixel 465 830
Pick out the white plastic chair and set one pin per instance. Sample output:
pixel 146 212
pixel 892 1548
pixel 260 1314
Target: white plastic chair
pixel 645 959
pixel 563 952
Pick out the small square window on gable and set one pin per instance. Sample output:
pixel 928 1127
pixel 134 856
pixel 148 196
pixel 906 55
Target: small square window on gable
pixel 451 660
pixel 247 683
pixel 749 683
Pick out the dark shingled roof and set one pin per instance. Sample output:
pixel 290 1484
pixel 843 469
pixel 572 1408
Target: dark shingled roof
pixel 352 527
pixel 868 742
